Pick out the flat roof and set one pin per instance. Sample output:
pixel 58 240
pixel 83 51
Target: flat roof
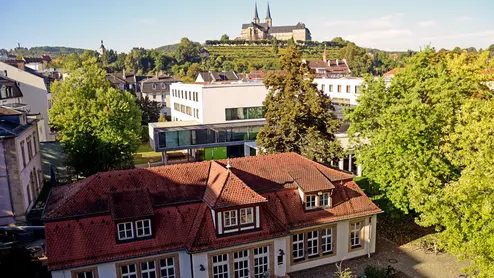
pixel 219 84
pixel 191 125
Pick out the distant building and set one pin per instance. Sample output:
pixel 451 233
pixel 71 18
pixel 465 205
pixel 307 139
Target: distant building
pixel 256 30
pixel 329 68
pixel 35 89
pixel 157 88
pixel 101 49
pixel 213 76
pixel 123 80
pixel 21 177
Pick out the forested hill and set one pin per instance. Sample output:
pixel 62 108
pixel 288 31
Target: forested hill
pixel 170 48
pixel 53 51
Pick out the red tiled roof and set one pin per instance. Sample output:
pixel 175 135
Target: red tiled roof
pixel 226 190
pixel 339 66
pixel 79 217
pixel 392 72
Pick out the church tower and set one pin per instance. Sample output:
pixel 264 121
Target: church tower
pixel 269 20
pixel 101 49
pixel 256 16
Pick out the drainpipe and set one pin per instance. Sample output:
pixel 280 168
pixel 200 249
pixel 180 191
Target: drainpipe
pixel 191 266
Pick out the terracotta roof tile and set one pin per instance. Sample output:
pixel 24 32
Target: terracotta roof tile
pixel 130 204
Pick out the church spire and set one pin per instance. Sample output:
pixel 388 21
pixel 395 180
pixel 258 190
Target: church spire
pixel 269 20
pixel 256 15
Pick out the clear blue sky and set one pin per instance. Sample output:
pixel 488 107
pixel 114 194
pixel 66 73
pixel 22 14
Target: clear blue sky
pixel 123 24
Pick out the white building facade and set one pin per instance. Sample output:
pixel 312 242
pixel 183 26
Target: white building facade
pixel 343 91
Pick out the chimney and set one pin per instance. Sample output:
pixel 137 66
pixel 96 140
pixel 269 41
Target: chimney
pixel 337 62
pixel 123 73
pixel 20 64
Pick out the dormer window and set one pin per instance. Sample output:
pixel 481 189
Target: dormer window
pixel 125 231
pixel 230 218
pixel 154 86
pixel 310 201
pixel 143 228
pixel 163 86
pixel 246 216
pixel 324 200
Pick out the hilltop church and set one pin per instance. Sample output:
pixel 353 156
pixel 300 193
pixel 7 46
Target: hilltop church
pixel 260 31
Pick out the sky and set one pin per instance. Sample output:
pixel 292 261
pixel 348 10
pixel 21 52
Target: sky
pixel 388 25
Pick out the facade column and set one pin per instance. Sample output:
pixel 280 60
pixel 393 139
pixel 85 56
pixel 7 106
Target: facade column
pixel 164 158
pixel 340 164
pixel 359 170
pixel 350 162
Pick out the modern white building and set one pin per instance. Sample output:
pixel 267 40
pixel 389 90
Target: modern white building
pixel 342 91
pixel 217 102
pixel 35 93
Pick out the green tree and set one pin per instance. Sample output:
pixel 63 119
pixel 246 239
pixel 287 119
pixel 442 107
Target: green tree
pixel 187 51
pixel 98 125
pixel 299 117
pixel 275 46
pixel 150 110
pixel 225 38
pixel 426 139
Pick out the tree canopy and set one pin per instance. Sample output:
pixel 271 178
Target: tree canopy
pixel 98 126
pixel 299 117
pixel 426 140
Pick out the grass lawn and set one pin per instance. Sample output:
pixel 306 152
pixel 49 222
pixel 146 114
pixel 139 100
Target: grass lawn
pixel 146 154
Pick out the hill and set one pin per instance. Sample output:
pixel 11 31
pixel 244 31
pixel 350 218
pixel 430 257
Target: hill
pixel 53 51
pixel 170 48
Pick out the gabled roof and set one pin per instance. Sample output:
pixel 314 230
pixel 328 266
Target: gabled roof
pixel 224 189
pixel 130 204
pixel 311 180
pixel 392 72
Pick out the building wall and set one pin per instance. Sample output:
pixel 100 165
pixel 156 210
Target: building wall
pixel 6 208
pixel 340 97
pixel 193 104
pixel 109 270
pixel 35 94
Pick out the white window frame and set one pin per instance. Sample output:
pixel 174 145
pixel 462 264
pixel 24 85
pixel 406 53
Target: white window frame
pixel 313 243
pixel 298 245
pixel 129 274
pixel 224 263
pixel 261 261
pixel 240 258
pixel 84 274
pixel 146 225
pixel 310 199
pixel 166 267
pixel 163 86
pixel 154 85
pixel 230 218
pixel 247 211
pixel 124 225
pixel 355 227
pixel 149 270
pixel 324 200
pixel 327 240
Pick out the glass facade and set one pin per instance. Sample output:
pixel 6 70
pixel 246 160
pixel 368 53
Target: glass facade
pixel 244 113
pixel 172 139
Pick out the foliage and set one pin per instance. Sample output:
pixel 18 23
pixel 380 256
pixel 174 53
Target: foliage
pixel 162 118
pixel 167 49
pixel 427 141
pixel 343 273
pixel 224 38
pixel 53 51
pixel 299 117
pixel 187 51
pixel 150 110
pixel 98 125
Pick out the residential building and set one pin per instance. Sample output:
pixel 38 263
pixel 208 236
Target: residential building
pixel 213 76
pixel 256 30
pixel 342 91
pixel 157 88
pixel 21 176
pixel 9 91
pixel 262 216
pixel 124 80
pixel 36 94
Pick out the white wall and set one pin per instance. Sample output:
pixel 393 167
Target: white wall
pixel 34 94
pixel 351 97
pixel 108 270
pixel 187 102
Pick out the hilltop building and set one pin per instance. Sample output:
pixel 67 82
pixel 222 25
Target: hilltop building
pixel 256 30
pixel 101 49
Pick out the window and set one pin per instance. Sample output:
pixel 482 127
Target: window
pixel 154 96
pixel 246 216
pixel 128 271
pixel 357 89
pixel 148 269
pixel 182 94
pixel 29 148
pixel 324 200
pixel 167 268
pixel 190 95
pixel 35 144
pixel 23 155
pixel 86 273
pixel 154 86
pixel 355 234
pixel 163 86
pixel 29 197
pixel 244 113
pixel 220 266
pixel 348 88
pixel 230 218
pixel 310 201
pixel 241 264
pixel 312 244
pixel 330 87
pixel 261 261
pixel 125 231
pixel 298 246
pixel 339 88
pixel 327 240
pixel 323 87
pixel 143 228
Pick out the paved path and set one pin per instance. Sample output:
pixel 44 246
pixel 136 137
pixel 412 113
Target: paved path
pixel 408 261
